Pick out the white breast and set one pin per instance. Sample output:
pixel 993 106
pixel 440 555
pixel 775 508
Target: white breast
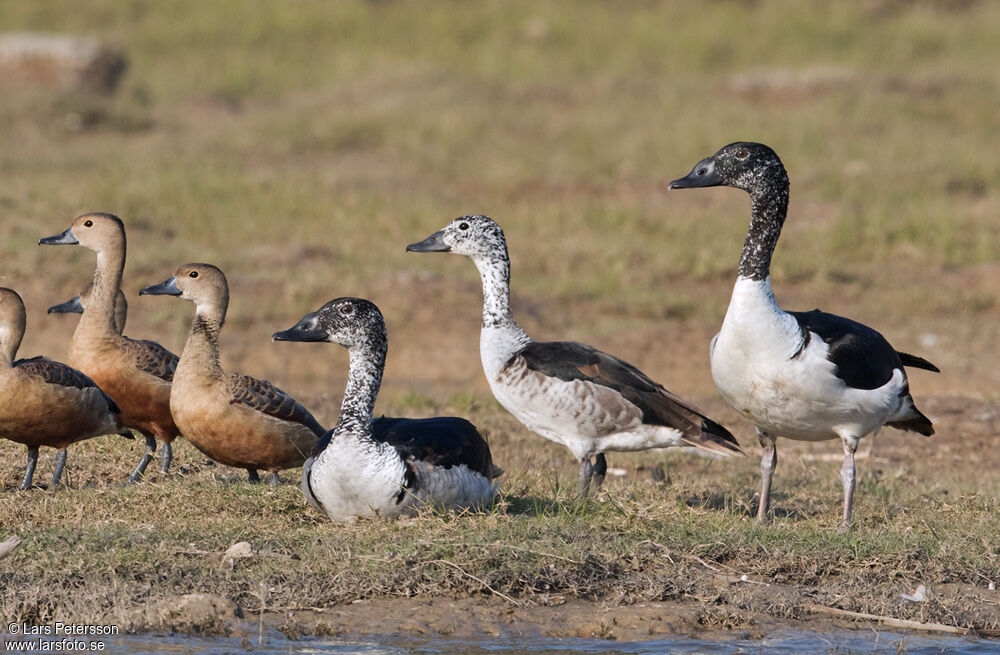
pixel 351 478
pixel 800 398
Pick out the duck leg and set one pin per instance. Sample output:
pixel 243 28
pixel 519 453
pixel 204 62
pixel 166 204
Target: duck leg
pixel 166 456
pixel 586 473
pixel 147 457
pixel 768 461
pixel 848 478
pixel 253 476
pixel 60 465
pixel 600 470
pixel 29 472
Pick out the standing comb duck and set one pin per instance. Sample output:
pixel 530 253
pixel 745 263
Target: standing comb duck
pixel 808 376
pixel 568 392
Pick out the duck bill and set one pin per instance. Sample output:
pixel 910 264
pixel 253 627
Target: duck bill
pixel 433 243
pixel 165 288
pixel 298 334
pixel 64 239
pixel 71 306
pixel 702 175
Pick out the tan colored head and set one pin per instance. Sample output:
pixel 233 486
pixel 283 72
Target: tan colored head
pixel 77 304
pixel 12 322
pixel 203 284
pixel 97 231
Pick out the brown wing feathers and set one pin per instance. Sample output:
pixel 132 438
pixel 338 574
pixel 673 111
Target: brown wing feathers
pixel 151 358
pixel 568 361
pixel 53 372
pixel 268 399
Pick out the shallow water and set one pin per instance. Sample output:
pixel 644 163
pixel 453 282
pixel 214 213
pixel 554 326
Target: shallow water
pixel 781 642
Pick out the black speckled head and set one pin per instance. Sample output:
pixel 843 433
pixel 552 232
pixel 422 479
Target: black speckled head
pixel 350 322
pixel 356 324
pixel 753 167
pixel 475 236
pixel 756 169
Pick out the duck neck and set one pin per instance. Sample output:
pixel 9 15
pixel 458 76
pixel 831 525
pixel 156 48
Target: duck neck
pixel 495 274
pixel 99 315
pixel 202 348
pixel 11 334
pixel 121 312
pixel 363 382
pixel 768 210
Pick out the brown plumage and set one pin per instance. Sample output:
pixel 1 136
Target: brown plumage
pixel 44 402
pixel 149 356
pixel 78 304
pixel 137 374
pixel 235 419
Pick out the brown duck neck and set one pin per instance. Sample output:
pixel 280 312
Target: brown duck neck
pixel 201 352
pixel 99 315
pixel 10 340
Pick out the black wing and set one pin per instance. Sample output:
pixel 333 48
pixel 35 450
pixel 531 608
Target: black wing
pixel 269 399
pixel 568 360
pixel 152 358
pixel 53 372
pixel 443 441
pixel 864 359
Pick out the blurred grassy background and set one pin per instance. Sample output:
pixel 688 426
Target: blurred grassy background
pixel 301 145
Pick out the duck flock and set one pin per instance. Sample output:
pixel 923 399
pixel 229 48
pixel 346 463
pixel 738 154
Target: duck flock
pixel 808 376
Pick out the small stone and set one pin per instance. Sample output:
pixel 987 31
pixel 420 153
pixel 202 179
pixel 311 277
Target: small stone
pixel 239 550
pixel 8 546
pixel 918 596
pixel 992 586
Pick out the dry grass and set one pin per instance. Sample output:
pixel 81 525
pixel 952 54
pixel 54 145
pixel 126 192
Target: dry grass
pixel 302 146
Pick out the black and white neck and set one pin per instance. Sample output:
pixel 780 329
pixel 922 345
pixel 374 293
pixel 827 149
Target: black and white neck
pixel 769 207
pixel 363 381
pixel 494 269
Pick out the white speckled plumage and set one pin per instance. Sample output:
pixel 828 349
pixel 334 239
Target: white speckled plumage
pixel 577 408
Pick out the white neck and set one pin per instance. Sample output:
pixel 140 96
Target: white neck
pixel 754 315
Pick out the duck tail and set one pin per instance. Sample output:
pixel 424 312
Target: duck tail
pixel 715 438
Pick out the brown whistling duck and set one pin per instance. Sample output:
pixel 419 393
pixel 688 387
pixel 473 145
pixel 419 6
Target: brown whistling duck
pixel 44 402
pixel 235 419
pixel 136 374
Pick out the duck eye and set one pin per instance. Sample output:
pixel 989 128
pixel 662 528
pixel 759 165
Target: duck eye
pixel 88 223
pixel 347 310
pixel 742 153
pixel 193 274
pixel 463 226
